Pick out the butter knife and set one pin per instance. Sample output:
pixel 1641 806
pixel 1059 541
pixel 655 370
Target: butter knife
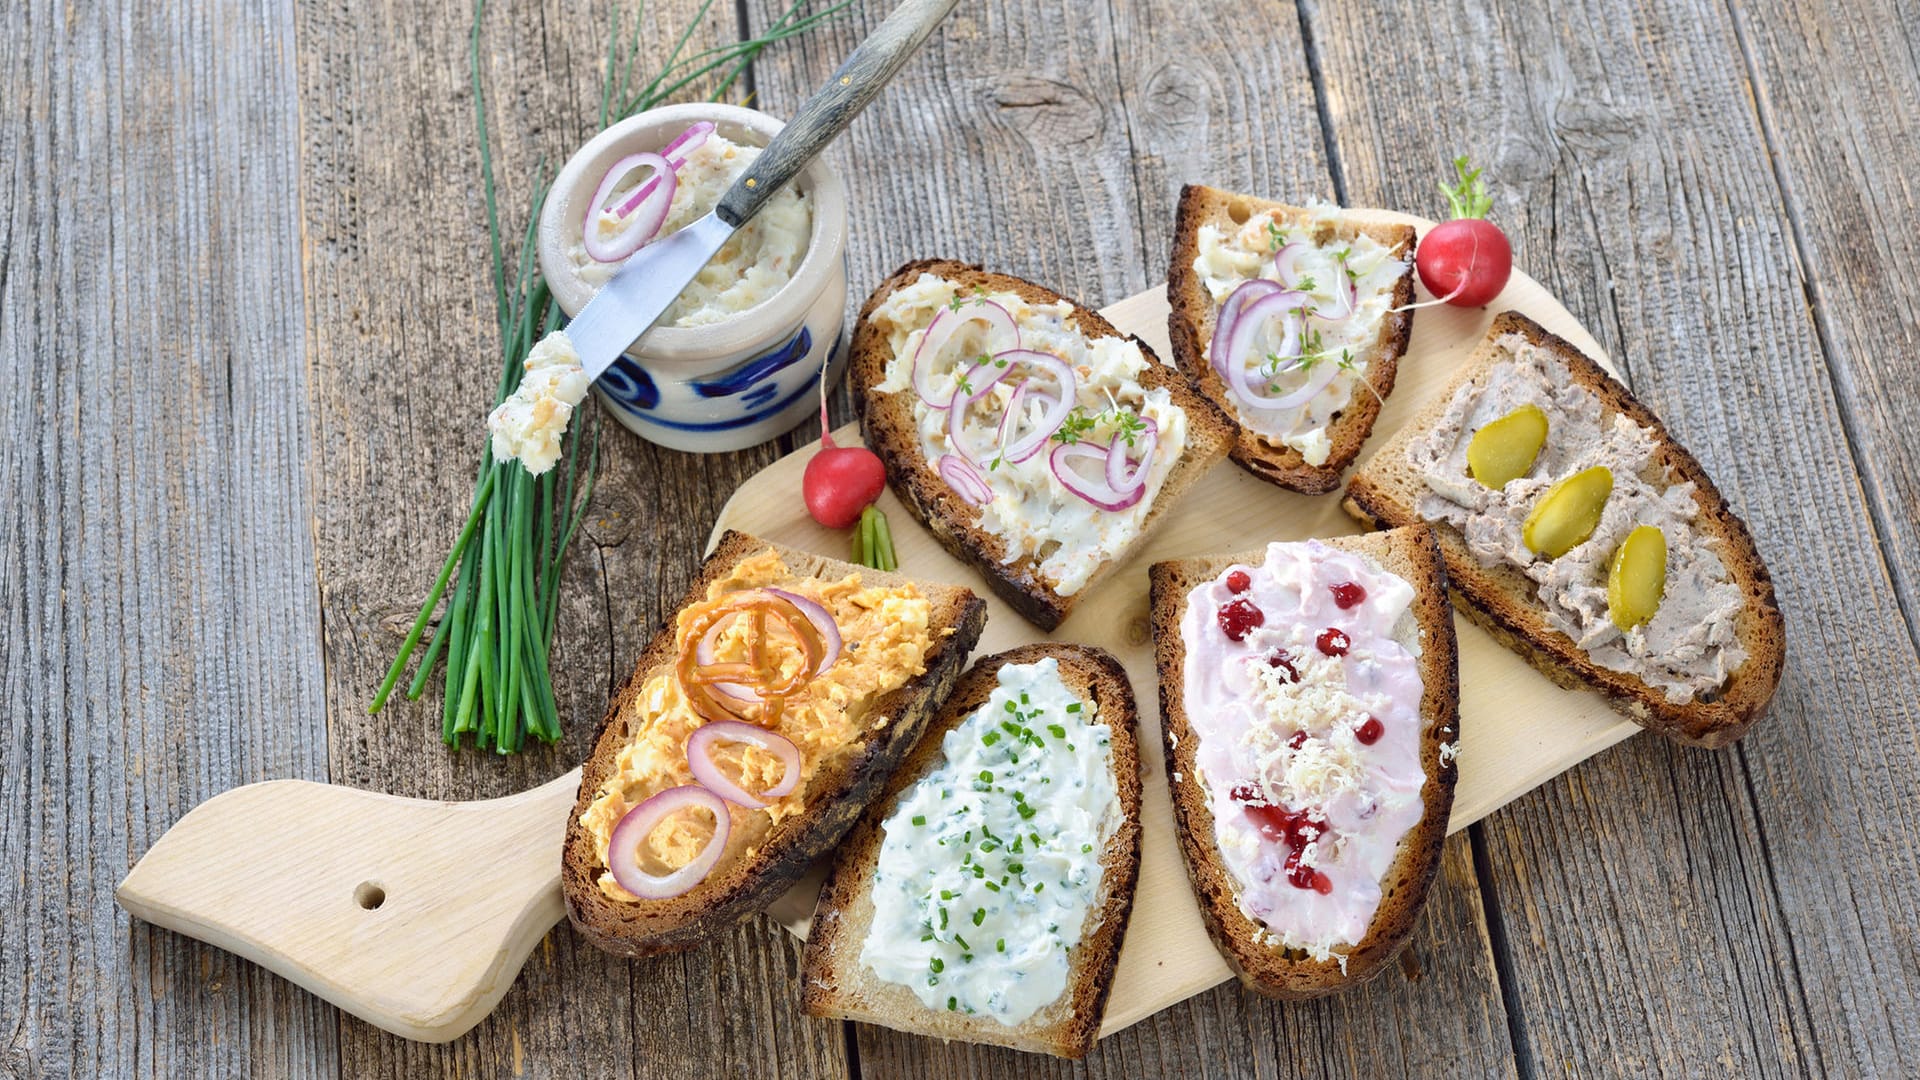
pixel 638 293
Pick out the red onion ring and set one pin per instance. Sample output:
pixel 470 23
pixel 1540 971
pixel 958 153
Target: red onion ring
pixel 1002 365
pixel 623 847
pixel 1348 292
pixel 822 620
pixel 676 152
pixel 946 323
pixel 1118 478
pixel 965 480
pixel 700 760
pixel 1287 260
pixel 1230 309
pixel 1317 380
pixel 1098 491
pixel 643 223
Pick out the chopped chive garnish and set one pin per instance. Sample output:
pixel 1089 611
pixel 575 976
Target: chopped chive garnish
pixel 919 819
pixel 992 885
pixel 1001 945
pixel 1075 707
pixel 979 916
pixel 936 965
pixel 1057 731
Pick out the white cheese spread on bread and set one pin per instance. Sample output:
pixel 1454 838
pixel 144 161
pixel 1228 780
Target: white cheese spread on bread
pixel 755 262
pixel 991 862
pixel 1302 683
pixel 1690 645
pixel 1028 506
pixel 1321 264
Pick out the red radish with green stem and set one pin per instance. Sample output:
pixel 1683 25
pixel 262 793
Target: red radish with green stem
pixel 840 481
pixel 1466 261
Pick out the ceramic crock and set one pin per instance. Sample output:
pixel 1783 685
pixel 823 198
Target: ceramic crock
pixel 749 377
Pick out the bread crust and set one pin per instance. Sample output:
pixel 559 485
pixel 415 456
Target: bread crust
pixel 837 792
pixel 887 425
pixel 834 984
pixel 1412 554
pixel 1503 602
pixel 1191 324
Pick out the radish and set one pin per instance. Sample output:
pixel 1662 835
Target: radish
pixel 840 481
pixel 1466 261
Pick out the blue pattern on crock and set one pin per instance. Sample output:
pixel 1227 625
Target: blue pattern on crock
pixel 628 385
pixel 753 373
pixel 753 415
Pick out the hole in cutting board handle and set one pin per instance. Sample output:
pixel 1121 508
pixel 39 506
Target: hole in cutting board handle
pixel 369 895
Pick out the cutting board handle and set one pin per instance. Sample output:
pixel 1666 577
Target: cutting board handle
pixel 411 914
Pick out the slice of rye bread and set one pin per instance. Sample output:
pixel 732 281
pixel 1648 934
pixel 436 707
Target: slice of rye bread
pixel 1411 554
pixel 839 789
pixel 837 984
pixel 1191 324
pixel 1385 491
pixel 888 426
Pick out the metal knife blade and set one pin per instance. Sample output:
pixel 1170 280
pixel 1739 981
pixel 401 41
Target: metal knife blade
pixel 638 293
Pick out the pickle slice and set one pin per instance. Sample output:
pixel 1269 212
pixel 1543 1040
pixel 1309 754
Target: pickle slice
pixel 1568 513
pixel 1505 449
pixel 1638 580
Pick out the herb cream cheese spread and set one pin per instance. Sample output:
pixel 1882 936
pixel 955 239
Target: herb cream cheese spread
pixel 1690 645
pixel 991 862
pixel 1322 264
pixel 1031 510
pixel 754 263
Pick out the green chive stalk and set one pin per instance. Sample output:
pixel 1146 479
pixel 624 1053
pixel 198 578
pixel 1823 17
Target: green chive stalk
pixel 496 633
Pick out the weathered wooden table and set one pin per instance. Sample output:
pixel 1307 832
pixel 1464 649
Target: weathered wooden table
pixel 247 341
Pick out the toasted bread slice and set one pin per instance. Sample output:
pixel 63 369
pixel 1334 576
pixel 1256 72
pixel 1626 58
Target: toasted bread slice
pixel 887 421
pixel 1264 966
pixel 1191 326
pixel 751 876
pixel 837 984
pixel 1386 490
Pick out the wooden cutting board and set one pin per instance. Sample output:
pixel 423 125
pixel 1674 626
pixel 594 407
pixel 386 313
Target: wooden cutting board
pixel 416 915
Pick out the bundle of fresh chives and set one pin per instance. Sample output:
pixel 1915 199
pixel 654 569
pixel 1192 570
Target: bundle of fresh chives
pixel 497 631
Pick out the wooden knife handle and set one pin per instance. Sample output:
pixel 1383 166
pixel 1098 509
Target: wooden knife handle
pixel 832 107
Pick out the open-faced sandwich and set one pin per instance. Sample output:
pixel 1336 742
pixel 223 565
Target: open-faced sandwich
pixel 754 730
pixel 1033 439
pixel 1310 701
pixel 1293 320
pixel 1579 533
pixel 985 894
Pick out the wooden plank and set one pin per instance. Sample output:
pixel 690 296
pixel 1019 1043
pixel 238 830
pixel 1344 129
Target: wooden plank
pixel 157 598
pixel 1838 93
pixel 1662 909
pixel 1057 156
pixel 401 329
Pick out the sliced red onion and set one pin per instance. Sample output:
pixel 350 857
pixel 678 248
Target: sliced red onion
pixel 1233 363
pixel 946 323
pixel 979 379
pixel 822 620
pixel 1119 477
pixel 985 375
pixel 642 223
pixel 1349 294
pixel 965 480
pixel 676 152
pixel 1096 491
pixel 700 760
pixel 1230 310
pixel 1323 373
pixel 623 847
pixel 1286 263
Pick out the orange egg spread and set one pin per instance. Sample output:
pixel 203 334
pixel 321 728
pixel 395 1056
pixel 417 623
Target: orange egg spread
pixel 886 639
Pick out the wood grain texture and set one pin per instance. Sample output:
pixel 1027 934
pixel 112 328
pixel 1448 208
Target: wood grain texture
pixel 994 101
pixel 156 585
pixel 1662 909
pixel 404 359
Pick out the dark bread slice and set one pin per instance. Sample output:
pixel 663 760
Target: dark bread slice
pixel 1190 327
pixel 888 426
pixel 836 793
pixel 835 982
pixel 1505 602
pixel 1411 554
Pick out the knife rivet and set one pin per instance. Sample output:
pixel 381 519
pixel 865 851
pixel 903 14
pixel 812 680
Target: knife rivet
pixel 846 80
pixel 751 181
